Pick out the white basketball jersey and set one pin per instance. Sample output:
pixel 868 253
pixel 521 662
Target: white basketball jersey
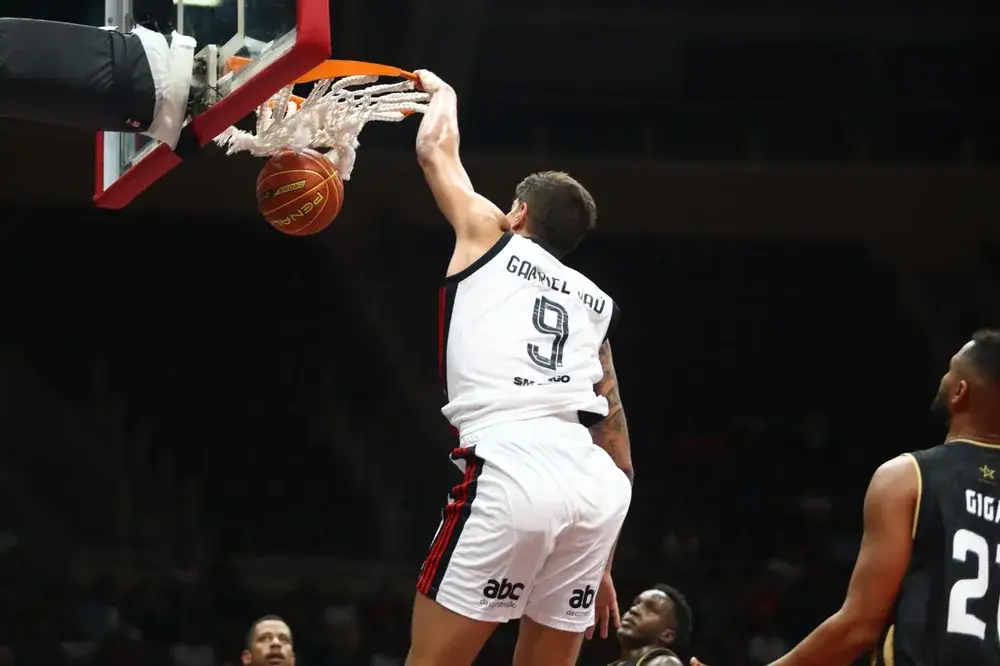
pixel 519 338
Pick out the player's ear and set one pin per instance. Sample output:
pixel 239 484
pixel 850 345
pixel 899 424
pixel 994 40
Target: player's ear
pixel 668 636
pixel 518 216
pixel 246 658
pixel 291 658
pixel 961 394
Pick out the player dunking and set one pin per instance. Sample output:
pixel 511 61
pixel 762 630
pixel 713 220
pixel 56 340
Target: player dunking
pixel 926 583
pixel 530 531
pixel 269 643
pixel 658 623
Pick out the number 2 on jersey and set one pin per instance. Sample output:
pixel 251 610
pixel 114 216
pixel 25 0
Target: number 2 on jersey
pixel 960 620
pixel 557 327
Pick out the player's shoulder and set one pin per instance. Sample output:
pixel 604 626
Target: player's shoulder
pixel 895 480
pixel 896 469
pixel 470 257
pixel 582 279
pixel 599 295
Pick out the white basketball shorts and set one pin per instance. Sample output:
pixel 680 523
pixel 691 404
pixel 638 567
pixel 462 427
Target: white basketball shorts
pixel 530 528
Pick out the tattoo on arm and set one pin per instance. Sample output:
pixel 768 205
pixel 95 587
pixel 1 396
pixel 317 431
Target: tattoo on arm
pixel 611 434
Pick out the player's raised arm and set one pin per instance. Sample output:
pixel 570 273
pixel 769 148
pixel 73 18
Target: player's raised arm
pixel 611 434
pixel 474 217
pixel 878 573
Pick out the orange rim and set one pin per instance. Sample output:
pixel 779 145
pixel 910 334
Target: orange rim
pixel 335 69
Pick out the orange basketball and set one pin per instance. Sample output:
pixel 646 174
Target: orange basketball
pixel 299 193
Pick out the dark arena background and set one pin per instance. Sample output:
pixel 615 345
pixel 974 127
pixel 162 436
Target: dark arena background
pixel 203 420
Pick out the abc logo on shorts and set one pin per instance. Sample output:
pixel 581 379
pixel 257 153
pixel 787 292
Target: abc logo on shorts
pixel 581 601
pixel 501 593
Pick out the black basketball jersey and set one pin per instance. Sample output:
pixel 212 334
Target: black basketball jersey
pixel 946 613
pixel 655 652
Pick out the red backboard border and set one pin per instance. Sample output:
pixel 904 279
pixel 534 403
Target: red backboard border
pixel 312 47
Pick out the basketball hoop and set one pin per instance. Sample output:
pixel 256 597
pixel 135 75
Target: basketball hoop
pixel 345 97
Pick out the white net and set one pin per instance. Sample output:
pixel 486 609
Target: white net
pixel 329 120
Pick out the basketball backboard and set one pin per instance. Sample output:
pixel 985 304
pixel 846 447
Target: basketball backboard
pixel 283 38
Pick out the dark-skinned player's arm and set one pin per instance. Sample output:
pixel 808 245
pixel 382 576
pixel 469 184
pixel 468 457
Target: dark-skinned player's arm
pixel 886 547
pixel 890 504
pixel 477 222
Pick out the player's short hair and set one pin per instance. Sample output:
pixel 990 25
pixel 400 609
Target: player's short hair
pixel 682 634
pixel 253 627
pixel 560 210
pixel 985 354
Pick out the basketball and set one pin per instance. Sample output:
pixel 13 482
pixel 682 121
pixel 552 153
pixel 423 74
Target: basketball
pixel 299 193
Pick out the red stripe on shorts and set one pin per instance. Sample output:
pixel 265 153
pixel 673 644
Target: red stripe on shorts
pixel 453 512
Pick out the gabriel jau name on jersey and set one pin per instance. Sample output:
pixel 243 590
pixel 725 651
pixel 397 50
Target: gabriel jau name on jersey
pixel 527 271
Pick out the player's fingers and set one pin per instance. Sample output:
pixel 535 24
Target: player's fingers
pixel 598 613
pixel 429 81
pixel 616 618
pixel 590 633
pixel 605 616
pixel 423 78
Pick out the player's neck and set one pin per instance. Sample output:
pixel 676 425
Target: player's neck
pixel 634 654
pixel 987 433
